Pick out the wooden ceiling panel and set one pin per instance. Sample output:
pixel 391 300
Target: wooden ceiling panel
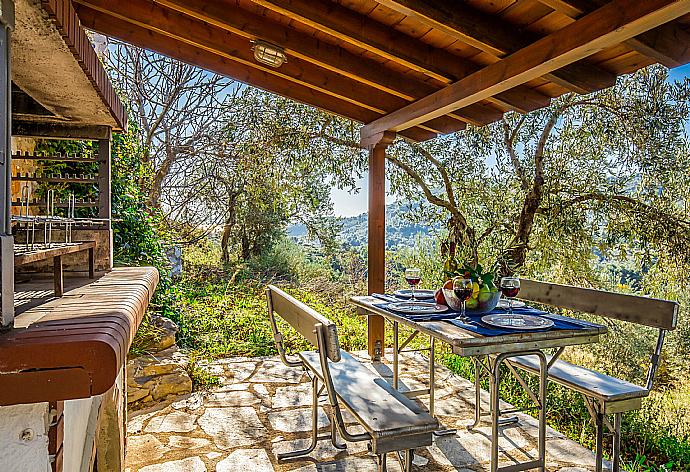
pixel 370 60
pixel 525 12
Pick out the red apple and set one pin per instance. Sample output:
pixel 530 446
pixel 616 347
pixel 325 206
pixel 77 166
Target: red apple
pixel 440 297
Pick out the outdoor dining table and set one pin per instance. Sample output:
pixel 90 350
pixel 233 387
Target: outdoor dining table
pixel 489 348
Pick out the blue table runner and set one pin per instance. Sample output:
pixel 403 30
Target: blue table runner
pixel 475 325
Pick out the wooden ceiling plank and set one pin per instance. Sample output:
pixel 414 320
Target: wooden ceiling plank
pixel 497 37
pixel 227 16
pixel 668 44
pixel 163 44
pixel 222 43
pixel 611 24
pixel 353 28
pixel 522 99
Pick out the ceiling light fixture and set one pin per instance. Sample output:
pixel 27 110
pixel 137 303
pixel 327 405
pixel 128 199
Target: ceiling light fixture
pixel 269 54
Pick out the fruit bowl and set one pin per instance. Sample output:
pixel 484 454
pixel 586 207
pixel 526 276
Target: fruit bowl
pixel 486 302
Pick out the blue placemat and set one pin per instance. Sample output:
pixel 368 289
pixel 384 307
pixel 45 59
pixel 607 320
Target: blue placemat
pixel 475 325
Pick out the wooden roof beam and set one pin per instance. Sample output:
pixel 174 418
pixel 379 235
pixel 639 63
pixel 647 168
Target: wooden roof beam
pixel 145 38
pixel 668 44
pixel 497 37
pixel 187 30
pixel 611 24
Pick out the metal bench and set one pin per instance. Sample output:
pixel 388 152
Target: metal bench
pixel 604 395
pixel 392 422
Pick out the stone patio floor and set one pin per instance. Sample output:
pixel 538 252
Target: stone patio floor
pixel 262 408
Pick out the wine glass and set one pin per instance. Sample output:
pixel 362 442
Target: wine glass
pixel 413 277
pixel 510 287
pixel 462 288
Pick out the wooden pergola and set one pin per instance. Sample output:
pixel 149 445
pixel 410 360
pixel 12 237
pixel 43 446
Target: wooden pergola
pixel 409 67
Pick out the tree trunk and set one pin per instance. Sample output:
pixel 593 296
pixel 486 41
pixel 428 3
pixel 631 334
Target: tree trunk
pixel 227 230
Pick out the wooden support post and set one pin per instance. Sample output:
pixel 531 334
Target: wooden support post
pixel 6 240
pixel 58 280
pixel 104 190
pixel 377 235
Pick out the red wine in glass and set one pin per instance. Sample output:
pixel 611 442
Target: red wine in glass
pixel 463 293
pixel 413 277
pixel 510 287
pixel 462 288
pixel 413 281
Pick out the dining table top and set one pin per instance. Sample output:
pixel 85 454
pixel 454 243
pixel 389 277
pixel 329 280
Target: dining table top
pixel 465 342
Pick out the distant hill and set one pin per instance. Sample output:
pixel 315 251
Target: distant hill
pixel 399 232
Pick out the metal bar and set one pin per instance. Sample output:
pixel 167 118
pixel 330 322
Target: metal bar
pixel 617 420
pixel 654 364
pixel 314 424
pixel 494 383
pixel 535 464
pixel 522 383
pixel 543 379
pixel 396 354
pixel 477 394
pixel 432 375
pixel 416 393
pixel 555 357
pixel 421 349
pixel 407 341
pixel 6 239
pixel 599 424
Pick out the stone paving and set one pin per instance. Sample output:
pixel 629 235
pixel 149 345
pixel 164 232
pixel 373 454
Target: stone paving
pixel 262 408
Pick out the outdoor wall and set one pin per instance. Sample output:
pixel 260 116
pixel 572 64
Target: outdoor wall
pixel 24 438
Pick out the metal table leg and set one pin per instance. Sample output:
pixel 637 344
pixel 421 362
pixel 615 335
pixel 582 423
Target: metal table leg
pixel 494 389
pixel 396 353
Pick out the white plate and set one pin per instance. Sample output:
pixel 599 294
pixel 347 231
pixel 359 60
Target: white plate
pixel 417 308
pixel 517 321
pixel 503 303
pixel 421 293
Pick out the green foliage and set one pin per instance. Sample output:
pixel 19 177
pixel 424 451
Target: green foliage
pixel 137 237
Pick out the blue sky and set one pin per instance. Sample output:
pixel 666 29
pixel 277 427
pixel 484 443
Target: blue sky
pixel 346 204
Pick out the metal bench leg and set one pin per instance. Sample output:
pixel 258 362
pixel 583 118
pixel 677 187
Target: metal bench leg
pixel 599 425
pixel 409 457
pixel 314 424
pixel 381 461
pixel 617 420
pixel 334 435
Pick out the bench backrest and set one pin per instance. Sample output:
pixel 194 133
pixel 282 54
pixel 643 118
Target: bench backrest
pixel 662 314
pixel 304 320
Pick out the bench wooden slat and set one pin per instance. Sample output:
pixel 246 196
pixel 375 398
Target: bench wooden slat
pixel 303 319
pixel 380 408
pixel 589 382
pixel 642 310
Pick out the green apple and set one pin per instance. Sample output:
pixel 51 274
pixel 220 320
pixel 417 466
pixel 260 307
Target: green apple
pixel 485 294
pixel 472 303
